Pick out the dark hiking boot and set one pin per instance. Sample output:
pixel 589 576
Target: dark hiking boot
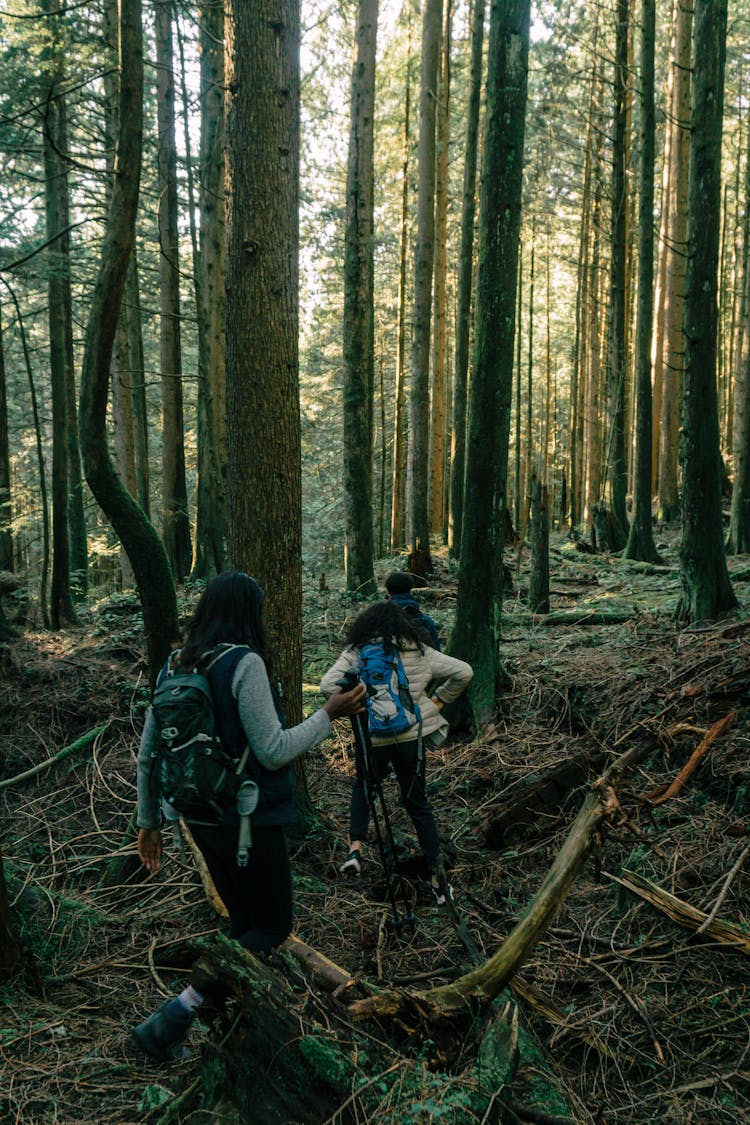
pixel 162 1035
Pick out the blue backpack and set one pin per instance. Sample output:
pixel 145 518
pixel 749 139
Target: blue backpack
pixel 390 708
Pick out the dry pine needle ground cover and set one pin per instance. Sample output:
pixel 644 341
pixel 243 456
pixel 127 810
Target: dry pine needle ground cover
pixel 639 1010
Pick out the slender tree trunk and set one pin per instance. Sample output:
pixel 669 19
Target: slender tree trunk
pixel 738 535
pixel 78 563
pixel 61 602
pixel 517 474
pixel 6 505
pixel 417 509
pixel 175 522
pixel 209 547
pixel 439 397
pixel 359 320
pixel 144 548
pixel 675 251
pixel 476 631
pixel 594 422
pixel 617 356
pixel 640 543
pixel 706 590
pixel 132 309
pixel 465 282
pixel 539 572
pixel 398 482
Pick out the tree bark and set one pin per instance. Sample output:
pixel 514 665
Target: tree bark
pixel 209 554
pixel 359 317
pixel 539 574
pixel 675 249
pixel 417 508
pixel 476 631
pixel 398 480
pixel 465 277
pixel 263 420
pixel 6 505
pixel 175 521
pixel 616 452
pixel 640 543
pixel 144 548
pixel 439 395
pixel 706 589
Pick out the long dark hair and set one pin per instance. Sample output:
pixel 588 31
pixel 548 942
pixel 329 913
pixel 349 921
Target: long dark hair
pixel 386 622
pixel 229 611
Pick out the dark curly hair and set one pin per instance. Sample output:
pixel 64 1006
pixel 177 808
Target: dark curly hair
pixel 229 611
pixel 386 622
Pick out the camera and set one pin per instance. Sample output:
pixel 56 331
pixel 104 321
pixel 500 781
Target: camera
pixel 348 681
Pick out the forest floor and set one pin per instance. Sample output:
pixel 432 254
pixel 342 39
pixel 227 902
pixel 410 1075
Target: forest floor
pixel 631 1012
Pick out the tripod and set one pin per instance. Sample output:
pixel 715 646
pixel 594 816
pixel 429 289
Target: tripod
pixel 381 820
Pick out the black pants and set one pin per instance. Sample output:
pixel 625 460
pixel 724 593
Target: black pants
pixel 403 756
pixel 259 896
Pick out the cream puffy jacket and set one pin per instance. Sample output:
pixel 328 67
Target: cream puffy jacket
pixel 445 677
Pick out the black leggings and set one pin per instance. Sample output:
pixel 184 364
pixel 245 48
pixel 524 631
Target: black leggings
pixel 403 756
pixel 259 896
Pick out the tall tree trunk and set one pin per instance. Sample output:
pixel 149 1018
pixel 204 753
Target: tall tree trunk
pixel 61 602
pixel 593 434
pixel 43 502
pixel 359 320
pixel 706 590
pixel 417 509
pixel 77 537
pixel 738 535
pixel 617 476
pixel 123 436
pixel 465 281
pixel 175 522
pixel 676 263
pixel 144 548
pixel 439 397
pixel 6 505
pixel 476 632
pixel 209 547
pixel 263 423
pixel 398 480
pixel 640 543
pixel 132 309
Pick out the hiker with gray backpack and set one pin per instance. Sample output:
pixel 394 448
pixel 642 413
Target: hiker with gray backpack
pixel 214 750
pixel 407 684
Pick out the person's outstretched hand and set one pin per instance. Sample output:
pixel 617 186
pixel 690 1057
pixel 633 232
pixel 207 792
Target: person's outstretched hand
pixel 149 848
pixel 345 702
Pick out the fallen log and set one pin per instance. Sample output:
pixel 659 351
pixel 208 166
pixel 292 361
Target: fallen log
pixel 682 912
pixel 660 795
pixel 481 985
pixel 80 744
pixel 536 794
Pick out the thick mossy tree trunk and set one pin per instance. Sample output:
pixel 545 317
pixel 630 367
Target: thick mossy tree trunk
pixel 706 590
pixel 465 281
pixel 359 318
pixel 476 633
pixel 640 543
pixel 138 537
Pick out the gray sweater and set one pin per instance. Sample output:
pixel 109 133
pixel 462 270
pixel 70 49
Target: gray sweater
pixel 273 746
